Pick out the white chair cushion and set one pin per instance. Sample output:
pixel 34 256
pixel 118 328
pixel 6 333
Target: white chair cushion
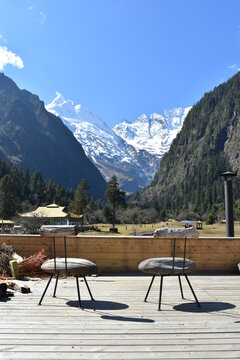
pixel 164 266
pixel 75 266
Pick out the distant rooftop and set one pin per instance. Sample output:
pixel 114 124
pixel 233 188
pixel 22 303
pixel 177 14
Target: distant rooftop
pixel 51 211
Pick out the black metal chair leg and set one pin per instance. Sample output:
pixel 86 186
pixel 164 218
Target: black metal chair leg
pixel 149 288
pixel 45 289
pixel 78 291
pixel 55 288
pixel 160 293
pixel 88 288
pixel 180 284
pixel 192 291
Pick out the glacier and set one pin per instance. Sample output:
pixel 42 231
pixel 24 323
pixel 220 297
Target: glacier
pixel 131 150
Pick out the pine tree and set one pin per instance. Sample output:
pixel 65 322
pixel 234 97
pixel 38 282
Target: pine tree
pixel 81 198
pixel 50 187
pixel 9 203
pixel 115 196
pixel 25 181
pixel 37 188
pixel 107 213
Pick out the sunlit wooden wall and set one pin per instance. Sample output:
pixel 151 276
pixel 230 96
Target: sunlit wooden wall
pixel 123 254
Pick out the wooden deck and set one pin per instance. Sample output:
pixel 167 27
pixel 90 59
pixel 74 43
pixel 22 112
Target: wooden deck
pixel 122 326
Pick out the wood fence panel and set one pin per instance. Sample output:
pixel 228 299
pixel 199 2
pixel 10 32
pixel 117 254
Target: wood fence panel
pixel 123 254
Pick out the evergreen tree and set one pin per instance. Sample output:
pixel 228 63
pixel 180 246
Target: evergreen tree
pixel 107 213
pixel 37 188
pixel 92 205
pixel 9 203
pixel 60 198
pixel 211 219
pixel 206 146
pixel 34 190
pixel 25 181
pixel 115 196
pixel 81 198
pixel 99 204
pixel 50 194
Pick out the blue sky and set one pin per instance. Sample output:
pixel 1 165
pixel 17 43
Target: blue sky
pixel 120 58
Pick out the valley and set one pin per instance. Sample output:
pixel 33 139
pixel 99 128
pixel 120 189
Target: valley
pixel 131 150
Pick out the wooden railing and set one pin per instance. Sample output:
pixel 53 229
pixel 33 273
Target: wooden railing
pixel 123 254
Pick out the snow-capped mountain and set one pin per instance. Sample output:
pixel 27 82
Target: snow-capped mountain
pixel 131 151
pixel 154 134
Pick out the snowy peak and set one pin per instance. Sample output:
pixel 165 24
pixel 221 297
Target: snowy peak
pixel 59 100
pixel 131 150
pixel 176 116
pixel 98 140
pixel 75 113
pixel 154 133
pixel 142 119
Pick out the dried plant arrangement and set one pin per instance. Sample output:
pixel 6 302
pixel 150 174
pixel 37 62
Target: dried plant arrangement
pixel 31 266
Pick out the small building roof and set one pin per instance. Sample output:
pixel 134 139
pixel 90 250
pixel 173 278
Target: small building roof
pixel 6 222
pixel 187 221
pixel 49 211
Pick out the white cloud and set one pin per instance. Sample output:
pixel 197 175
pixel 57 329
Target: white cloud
pixel 43 17
pixel 2 38
pixel 8 57
pixel 30 8
pixel 232 66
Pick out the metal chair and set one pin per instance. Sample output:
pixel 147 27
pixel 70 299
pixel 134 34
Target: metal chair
pixel 70 266
pixel 169 266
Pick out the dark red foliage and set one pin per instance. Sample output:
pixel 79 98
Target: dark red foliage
pixel 31 266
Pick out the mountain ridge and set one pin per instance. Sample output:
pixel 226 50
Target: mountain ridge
pixel 119 151
pixel 188 180
pixel 33 138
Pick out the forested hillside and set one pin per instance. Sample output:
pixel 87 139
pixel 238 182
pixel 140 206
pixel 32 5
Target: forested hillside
pixel 188 181
pixel 34 139
pixel 32 190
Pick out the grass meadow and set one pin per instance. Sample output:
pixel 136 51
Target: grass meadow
pixel 214 230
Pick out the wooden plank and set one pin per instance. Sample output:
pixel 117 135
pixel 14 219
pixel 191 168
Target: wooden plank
pixel 122 348
pixel 170 355
pixel 213 337
pixel 117 342
pixel 213 250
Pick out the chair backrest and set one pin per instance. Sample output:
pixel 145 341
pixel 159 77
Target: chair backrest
pixel 65 253
pixel 54 231
pixel 174 253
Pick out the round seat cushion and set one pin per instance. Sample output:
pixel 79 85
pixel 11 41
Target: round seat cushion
pixel 164 266
pixel 75 266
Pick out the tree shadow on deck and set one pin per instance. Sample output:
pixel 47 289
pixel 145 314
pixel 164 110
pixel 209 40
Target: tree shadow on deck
pixel 206 307
pixel 100 306
pixel 126 318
